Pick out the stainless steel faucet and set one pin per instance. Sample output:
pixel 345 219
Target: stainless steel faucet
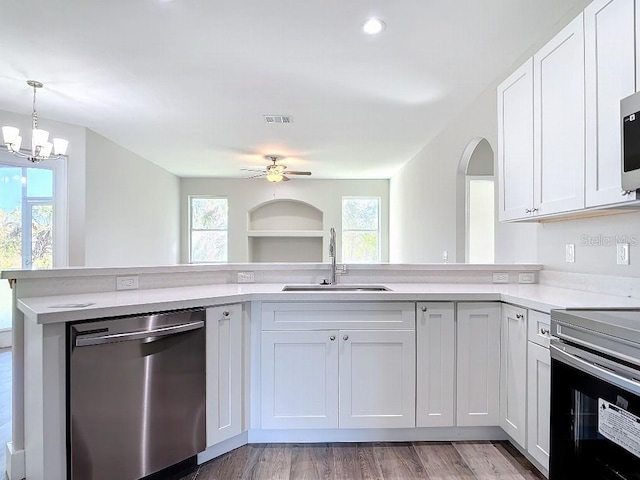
pixel 332 255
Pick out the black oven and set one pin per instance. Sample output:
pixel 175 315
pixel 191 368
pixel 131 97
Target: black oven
pixel 595 395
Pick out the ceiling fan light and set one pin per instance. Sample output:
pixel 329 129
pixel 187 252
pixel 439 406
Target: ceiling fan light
pixel 60 146
pixel 274 176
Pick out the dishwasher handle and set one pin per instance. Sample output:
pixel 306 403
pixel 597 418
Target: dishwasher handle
pixel 138 335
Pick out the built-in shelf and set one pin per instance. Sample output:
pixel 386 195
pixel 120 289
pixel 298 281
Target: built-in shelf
pixel 285 233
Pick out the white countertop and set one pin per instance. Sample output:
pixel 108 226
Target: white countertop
pixel 65 308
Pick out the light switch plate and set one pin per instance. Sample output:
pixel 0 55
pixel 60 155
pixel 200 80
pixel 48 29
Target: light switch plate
pixel 622 253
pixel 570 253
pixel 526 277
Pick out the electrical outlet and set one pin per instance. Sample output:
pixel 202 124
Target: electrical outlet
pixel 622 253
pixel 126 283
pixel 526 277
pixel 570 253
pixel 246 277
pixel 500 277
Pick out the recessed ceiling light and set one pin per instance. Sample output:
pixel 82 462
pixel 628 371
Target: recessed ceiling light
pixel 373 26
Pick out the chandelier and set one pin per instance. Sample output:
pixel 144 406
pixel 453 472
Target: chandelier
pixel 41 148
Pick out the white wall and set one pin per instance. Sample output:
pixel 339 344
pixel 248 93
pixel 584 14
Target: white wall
pixel 246 194
pixel 133 208
pixel 427 197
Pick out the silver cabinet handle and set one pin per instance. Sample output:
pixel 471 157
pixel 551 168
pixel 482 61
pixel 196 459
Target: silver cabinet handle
pixel 527 210
pixel 332 338
pixel 345 338
pixel 534 210
pixel 544 331
pixel 424 309
pixel 520 316
pixel 225 314
pixel 140 335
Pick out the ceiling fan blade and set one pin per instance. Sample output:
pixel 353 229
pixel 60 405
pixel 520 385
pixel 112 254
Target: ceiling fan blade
pixel 257 169
pixel 256 176
pixel 285 178
pixel 288 172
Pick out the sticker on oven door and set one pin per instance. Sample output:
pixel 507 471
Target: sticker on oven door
pixel 619 426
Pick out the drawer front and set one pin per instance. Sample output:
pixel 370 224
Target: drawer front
pixel 338 315
pixel 539 328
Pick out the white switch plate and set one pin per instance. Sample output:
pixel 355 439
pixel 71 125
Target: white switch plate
pixel 246 277
pixel 126 283
pixel 526 277
pixel 622 253
pixel 570 253
pixel 500 277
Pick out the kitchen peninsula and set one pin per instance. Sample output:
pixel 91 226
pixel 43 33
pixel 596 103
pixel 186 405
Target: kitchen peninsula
pixel 462 300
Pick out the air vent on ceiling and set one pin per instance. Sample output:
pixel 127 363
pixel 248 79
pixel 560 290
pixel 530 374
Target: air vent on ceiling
pixel 278 118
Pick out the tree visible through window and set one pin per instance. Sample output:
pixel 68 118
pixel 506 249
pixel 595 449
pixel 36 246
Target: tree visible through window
pixel 360 230
pixel 208 229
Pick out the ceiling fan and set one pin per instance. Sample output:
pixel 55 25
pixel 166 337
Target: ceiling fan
pixel 274 172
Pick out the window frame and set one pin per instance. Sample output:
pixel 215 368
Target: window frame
pixel 378 231
pixel 191 229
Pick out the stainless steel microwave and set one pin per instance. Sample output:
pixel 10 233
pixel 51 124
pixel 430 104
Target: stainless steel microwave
pixel 630 113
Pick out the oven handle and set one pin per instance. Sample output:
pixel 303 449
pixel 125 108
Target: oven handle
pixel 146 335
pixel 595 370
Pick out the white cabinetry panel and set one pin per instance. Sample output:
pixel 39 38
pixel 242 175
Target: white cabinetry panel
pixel 435 369
pixel 478 362
pixel 559 168
pixel 515 144
pixel 224 372
pixel 300 379
pixel 377 379
pixel 539 398
pixel 513 373
pixel 610 76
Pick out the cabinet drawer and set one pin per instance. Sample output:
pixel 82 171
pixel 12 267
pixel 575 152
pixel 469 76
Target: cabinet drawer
pixel 539 328
pixel 339 315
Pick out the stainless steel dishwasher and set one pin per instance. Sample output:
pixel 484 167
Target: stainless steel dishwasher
pixel 136 394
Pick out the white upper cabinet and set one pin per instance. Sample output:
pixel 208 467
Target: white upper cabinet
pixel 610 76
pixel 559 118
pixel 515 144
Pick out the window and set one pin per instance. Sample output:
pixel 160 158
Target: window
pixel 360 230
pixel 208 232
pixel 480 219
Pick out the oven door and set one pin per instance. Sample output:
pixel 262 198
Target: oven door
pixel 595 416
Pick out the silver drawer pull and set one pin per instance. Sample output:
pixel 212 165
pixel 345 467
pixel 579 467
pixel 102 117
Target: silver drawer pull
pixel 345 338
pixel 225 314
pixel 424 309
pixel 519 316
pixel 332 338
pixel 545 331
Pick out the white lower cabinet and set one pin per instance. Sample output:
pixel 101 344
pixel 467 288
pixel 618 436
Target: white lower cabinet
pixel 513 373
pixel 338 377
pixel 224 377
pixel 478 364
pixel 435 364
pixel 539 389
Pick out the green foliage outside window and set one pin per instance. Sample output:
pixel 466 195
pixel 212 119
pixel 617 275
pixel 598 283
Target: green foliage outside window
pixel 360 230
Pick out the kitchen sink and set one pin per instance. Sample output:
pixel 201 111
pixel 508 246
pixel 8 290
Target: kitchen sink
pixel 336 288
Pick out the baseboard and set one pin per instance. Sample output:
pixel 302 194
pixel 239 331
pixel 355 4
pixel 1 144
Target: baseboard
pixel 15 463
pixel 443 434
pixel 5 338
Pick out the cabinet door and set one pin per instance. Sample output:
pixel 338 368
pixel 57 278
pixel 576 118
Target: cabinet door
pixel 224 372
pixel 377 379
pixel 610 76
pixel 478 361
pixel 515 144
pixel 513 373
pixel 299 379
pixel 435 369
pixel 559 170
pixel 538 402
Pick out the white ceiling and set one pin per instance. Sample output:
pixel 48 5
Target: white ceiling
pixel 185 83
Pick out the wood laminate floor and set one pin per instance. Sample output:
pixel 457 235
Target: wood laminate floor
pixel 369 461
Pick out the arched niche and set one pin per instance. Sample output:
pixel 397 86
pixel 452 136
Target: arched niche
pixel 285 214
pixel 285 230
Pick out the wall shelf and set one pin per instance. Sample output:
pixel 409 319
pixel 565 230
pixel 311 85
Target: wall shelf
pixel 285 233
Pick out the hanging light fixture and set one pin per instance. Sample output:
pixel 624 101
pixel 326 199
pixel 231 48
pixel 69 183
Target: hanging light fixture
pixel 41 148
